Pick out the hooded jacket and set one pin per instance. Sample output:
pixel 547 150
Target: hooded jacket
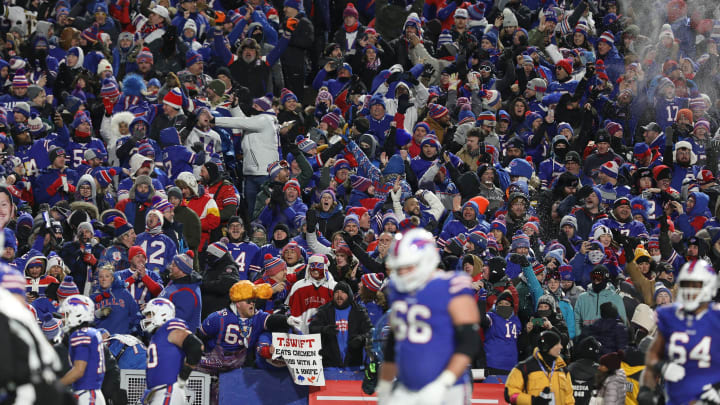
pixel 528 380
pixel 220 275
pixel 587 307
pixel 307 295
pixel 124 315
pixel 694 220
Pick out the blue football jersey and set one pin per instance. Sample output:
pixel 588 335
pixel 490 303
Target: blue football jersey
pixel 137 288
pixel 247 257
pixel 86 345
pixel 689 342
pixel 160 250
pixel 231 332
pixel 164 359
pixel 501 341
pixel 422 325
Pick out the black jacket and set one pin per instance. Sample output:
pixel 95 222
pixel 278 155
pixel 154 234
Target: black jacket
pixel 301 41
pixel 216 283
pixel 358 324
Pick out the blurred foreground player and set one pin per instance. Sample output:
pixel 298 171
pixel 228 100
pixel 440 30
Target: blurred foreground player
pixel 434 321
pixel 686 351
pixel 172 350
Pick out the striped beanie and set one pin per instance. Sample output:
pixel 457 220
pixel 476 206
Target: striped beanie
pixel 265 103
pixel 360 183
pixel 109 89
pixel 305 144
pixel 275 167
pixel 145 149
pixel 292 183
pixel 702 124
pixel 104 177
pixel 566 273
pixel 373 281
pixel 331 119
pixel 499 224
pixel 538 268
pixel 20 81
pixel 192 57
pixel 217 249
pixel 653 242
pixel 444 38
pixel 273 265
pixel 479 239
pixel 437 111
pixel 324 96
pixel 67 288
pixel 145 56
pixel 487 118
pixel 184 261
pixel 351 218
pixel 477 11
pixel 161 204
pixel 491 98
pixel 520 240
pixel 51 327
pixel 12 280
pixel 174 98
pixel 121 226
pixel 607 37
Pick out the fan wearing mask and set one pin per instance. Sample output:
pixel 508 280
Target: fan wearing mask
pixel 587 307
pixel 502 330
pixel 590 255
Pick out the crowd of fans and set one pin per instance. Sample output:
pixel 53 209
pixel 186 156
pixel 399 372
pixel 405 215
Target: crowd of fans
pixel 563 156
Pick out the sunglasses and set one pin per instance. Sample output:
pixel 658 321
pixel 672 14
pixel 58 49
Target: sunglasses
pixel 597 276
pixel 485 68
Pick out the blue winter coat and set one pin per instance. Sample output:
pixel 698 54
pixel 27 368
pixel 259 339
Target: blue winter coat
pixel 124 316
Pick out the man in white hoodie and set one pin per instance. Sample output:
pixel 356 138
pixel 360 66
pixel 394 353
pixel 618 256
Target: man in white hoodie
pixel 260 143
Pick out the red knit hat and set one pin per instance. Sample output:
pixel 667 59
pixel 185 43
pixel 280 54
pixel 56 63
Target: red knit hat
pixel 136 250
pixel 566 65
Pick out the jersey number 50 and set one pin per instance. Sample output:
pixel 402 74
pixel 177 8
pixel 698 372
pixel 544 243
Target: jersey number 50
pixel 411 323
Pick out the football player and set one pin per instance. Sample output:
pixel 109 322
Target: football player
pixel 684 351
pixel 86 351
pixel 172 351
pixel 434 321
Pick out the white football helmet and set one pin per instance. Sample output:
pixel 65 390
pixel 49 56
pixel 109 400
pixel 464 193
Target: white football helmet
pixel 696 271
pixel 76 310
pixel 414 248
pixel 160 310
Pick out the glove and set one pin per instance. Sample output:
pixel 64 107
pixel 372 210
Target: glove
pixel 404 103
pixel 329 330
pixel 357 342
pixel 383 391
pixel 673 372
pixel 544 398
pixel 294 322
pixel 584 192
pixel 436 389
pixel 519 259
pixel 291 24
pixel 311 220
pixel 109 105
pixel 90 259
pixel 200 158
pixel 589 70
pixel 711 394
pixel 428 70
pixel 197 147
pixel 103 312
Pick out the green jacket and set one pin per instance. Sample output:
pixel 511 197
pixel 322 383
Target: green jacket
pixel 587 307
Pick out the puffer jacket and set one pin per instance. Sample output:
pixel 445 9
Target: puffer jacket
pixel 613 389
pixel 528 380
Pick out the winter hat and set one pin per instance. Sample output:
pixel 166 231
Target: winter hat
pixel 287 95
pixel 217 86
pixel 660 288
pixel 360 183
pixel 461 13
pixel 702 124
pixel 437 111
pixel 610 168
pixel 487 118
pixel 305 144
pixel 329 192
pixel 67 288
pixel 190 25
pixel 121 226
pixel 445 37
pixel 520 167
pixel 548 340
pixel 161 204
pixel 292 183
pixel 491 98
pixel 520 240
pixel 217 250
pixel 395 165
pixel 566 273
pixel 326 97
pixel 662 172
pixel 332 120
pixel 350 11
pixel 273 265
pixel 666 32
pixel 136 250
pixel 509 18
pixel 499 224
pixel 456 245
pixel 104 66
pixel 20 81
pixel 145 56
pixel 566 65
pixel 192 57
pixel 265 103
pixel 51 327
pixel 184 261
pixel 479 239
pixel 612 360
pixel 109 89
pixel 296 4
pixel 608 38
pixel 477 11
pixel 373 281
pixel 274 168
pixel 351 218
pixel 174 98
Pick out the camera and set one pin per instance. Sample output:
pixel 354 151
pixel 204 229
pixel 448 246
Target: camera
pixel 537 322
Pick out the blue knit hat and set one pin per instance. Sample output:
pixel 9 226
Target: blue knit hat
pixel 520 167
pixel 296 4
pixel 499 224
pixel 520 240
pixel 394 166
pixel 184 261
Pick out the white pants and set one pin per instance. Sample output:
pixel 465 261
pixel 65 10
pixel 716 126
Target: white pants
pixel 171 395
pixel 90 397
pixel 455 395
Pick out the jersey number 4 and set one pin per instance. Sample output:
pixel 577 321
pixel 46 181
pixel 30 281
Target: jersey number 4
pixel 700 353
pixel 411 322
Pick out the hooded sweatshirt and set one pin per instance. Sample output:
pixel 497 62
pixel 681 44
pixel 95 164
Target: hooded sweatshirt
pixel 307 295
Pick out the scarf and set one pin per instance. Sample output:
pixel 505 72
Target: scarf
pixel 149 29
pixel 154 230
pixel 351 28
pixel 82 134
pixel 374 65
